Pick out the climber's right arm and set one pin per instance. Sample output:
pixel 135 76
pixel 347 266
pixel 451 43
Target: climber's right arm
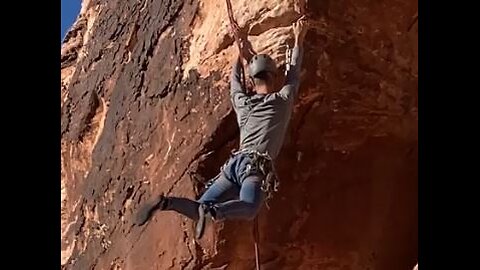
pixel 292 83
pixel 237 88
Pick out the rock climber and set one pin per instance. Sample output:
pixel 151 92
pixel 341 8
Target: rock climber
pixel 248 177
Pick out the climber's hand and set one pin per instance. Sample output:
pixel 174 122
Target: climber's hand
pixel 300 28
pixel 241 38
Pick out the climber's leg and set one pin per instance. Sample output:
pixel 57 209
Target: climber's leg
pixel 220 190
pixel 247 207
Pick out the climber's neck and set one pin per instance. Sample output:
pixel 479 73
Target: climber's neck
pixel 263 89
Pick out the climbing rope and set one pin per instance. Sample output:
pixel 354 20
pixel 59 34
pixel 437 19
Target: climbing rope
pixel 256 237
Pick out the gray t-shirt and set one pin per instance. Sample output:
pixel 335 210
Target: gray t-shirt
pixel 263 118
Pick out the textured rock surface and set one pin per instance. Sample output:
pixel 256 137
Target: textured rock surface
pixel 145 109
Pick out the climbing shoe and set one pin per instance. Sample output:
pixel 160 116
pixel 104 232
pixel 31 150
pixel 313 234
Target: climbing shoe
pixel 203 213
pixel 147 210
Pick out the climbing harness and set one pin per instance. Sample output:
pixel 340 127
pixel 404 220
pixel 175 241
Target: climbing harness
pixel 262 162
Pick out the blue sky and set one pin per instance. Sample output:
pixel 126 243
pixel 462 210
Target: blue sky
pixel 70 10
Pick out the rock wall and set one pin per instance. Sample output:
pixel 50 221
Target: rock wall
pixel 145 109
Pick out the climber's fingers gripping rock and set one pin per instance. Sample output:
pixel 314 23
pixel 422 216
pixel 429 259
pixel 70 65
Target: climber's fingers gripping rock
pixel 300 28
pixel 244 46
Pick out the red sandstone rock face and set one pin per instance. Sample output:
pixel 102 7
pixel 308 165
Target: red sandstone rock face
pixel 145 109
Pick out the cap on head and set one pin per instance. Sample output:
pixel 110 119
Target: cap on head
pixel 260 63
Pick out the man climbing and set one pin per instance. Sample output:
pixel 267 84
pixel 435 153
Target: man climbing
pixel 246 179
